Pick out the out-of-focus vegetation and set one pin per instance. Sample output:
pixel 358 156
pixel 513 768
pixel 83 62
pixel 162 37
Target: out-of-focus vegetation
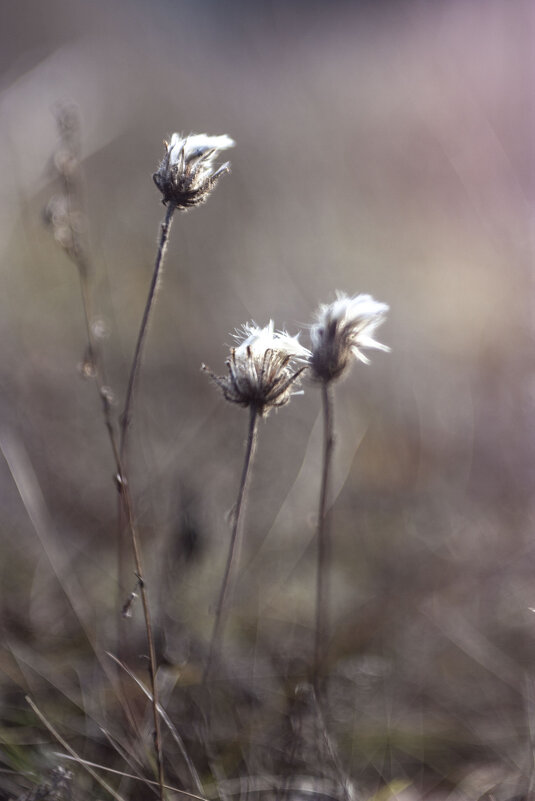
pixel 382 148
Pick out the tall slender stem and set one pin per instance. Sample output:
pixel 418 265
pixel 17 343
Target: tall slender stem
pixel 235 540
pixel 124 488
pixel 125 493
pixel 138 354
pixel 97 365
pixel 126 500
pixel 77 249
pixel 324 538
pixel 78 252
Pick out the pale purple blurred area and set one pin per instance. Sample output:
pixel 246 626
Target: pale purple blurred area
pixel 384 148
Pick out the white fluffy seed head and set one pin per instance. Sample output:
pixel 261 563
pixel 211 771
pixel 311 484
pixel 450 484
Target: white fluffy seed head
pixel 263 368
pixel 341 331
pixel 259 340
pixel 196 145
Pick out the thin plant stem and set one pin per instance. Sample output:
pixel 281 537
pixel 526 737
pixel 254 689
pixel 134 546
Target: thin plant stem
pixel 124 775
pixel 235 540
pixel 78 251
pixel 331 748
pixel 138 354
pixel 324 539
pixel 97 365
pixel 167 720
pixel 72 752
pixel 124 488
pixel 119 456
pixel 125 493
pixel 78 254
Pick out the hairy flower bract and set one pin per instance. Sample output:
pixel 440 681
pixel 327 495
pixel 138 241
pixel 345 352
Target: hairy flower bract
pixel 187 173
pixel 263 368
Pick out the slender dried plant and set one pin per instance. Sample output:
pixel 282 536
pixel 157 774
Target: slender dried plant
pixel 185 177
pixel 263 371
pixel 341 331
pixel 65 213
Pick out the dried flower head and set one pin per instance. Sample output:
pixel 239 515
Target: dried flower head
pixel 187 173
pixel 263 369
pixel 341 330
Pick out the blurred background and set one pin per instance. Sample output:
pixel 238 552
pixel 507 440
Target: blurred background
pixel 383 148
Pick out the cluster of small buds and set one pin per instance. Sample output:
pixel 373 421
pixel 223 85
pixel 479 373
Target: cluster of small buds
pixel 64 211
pixel 68 225
pixel 187 173
pixel 263 369
pixel 342 329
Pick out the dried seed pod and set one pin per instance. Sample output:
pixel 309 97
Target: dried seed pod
pixel 187 173
pixel 263 369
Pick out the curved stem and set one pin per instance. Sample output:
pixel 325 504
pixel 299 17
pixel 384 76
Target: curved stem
pixel 324 539
pixel 235 540
pixel 138 354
